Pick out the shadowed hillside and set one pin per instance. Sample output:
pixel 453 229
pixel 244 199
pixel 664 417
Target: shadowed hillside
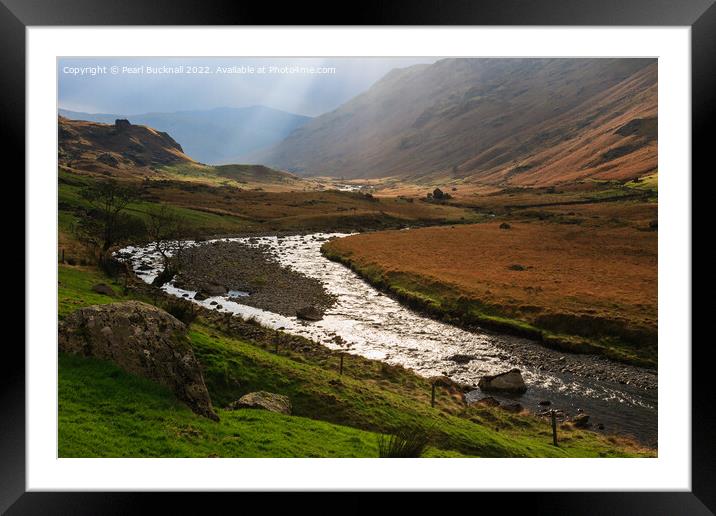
pixel 120 146
pixel 497 121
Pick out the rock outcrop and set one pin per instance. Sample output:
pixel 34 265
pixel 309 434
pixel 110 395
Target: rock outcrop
pixel 263 400
pixel 511 381
pixel 143 340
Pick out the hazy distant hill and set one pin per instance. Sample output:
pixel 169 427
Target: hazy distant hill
pixel 506 121
pixel 215 136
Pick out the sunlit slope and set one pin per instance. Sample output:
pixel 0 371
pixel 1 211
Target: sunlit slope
pixel 495 121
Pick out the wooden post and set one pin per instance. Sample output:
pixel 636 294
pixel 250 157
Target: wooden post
pixel 553 415
pixel 63 255
pixel 340 371
pixel 432 396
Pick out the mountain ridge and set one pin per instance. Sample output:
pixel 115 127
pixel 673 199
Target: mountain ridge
pixel 485 120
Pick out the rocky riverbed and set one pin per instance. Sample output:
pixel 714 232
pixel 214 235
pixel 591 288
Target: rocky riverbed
pixel 250 275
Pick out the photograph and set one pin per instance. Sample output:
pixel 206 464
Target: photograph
pixel 374 257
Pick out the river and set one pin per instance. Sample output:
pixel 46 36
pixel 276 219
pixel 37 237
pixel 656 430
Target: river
pixel 363 321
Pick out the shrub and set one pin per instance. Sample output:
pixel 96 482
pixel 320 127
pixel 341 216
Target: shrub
pixel 407 443
pixel 110 265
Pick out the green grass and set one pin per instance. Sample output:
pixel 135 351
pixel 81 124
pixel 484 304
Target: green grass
pixel 74 289
pixel 105 412
pixel 197 222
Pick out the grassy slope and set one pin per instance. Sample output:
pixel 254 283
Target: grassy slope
pixel 227 209
pixel 105 412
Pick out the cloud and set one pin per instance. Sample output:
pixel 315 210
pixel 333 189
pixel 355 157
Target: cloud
pixel 307 86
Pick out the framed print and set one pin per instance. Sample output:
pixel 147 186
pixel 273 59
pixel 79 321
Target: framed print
pixel 281 257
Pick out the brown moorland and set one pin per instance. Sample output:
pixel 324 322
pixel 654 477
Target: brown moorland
pixel 589 290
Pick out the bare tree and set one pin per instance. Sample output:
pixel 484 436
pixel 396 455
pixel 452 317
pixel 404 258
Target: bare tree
pixel 107 222
pixel 165 228
pixel 109 199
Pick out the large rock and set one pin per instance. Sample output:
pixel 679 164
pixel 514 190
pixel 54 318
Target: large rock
pixel 103 288
pixel 143 340
pixel 263 400
pixel 309 313
pixel 213 289
pixel 511 381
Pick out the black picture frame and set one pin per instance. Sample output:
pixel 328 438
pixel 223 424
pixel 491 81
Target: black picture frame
pixel 700 15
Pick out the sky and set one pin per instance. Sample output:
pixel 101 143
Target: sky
pixel 131 86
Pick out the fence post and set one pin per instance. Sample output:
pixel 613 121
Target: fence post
pixel 340 371
pixel 553 415
pixel 432 396
pixel 63 255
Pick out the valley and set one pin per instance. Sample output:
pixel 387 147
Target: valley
pixel 457 220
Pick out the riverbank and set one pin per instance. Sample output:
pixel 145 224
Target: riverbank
pixel 576 290
pixel 335 415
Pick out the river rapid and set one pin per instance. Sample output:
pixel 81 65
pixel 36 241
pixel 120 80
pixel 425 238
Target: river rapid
pixel 619 398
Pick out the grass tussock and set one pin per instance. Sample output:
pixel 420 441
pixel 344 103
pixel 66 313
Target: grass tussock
pixel 408 443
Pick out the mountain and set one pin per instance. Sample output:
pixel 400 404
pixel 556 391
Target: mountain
pixel 120 146
pixel 122 149
pixel 493 121
pixel 215 136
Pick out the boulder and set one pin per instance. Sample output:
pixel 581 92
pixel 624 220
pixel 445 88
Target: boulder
pixel 309 313
pixel 488 401
pixel 212 289
pixel 143 340
pixel 103 288
pixel 505 225
pixel 581 420
pixel 512 407
pixel 511 381
pixel 263 400
pixel 461 359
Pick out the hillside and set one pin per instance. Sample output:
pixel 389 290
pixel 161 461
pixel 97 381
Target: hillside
pixel 128 151
pixel 120 146
pixel 492 121
pixel 215 136
pixel 106 412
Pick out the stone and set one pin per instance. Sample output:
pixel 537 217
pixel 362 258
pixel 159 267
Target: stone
pixel 309 313
pixel 103 288
pixel 505 225
pixel 461 359
pixel 263 400
pixel 581 420
pixel 212 289
pixel 488 401
pixel 512 407
pixel 143 340
pixel 511 381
